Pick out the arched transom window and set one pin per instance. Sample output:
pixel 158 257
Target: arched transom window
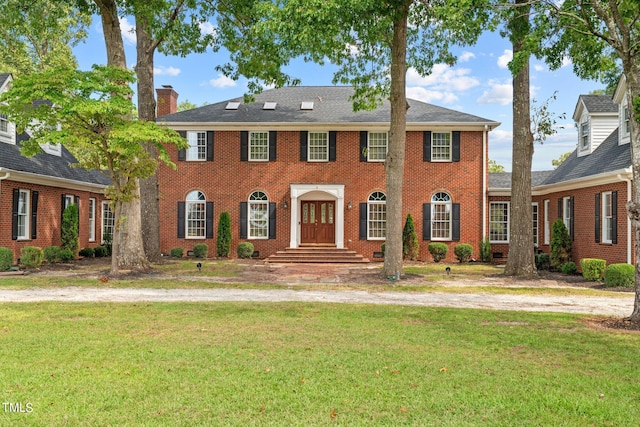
pixel 258 215
pixel 196 215
pixel 377 216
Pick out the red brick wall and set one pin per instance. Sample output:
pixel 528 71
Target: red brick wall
pixel 227 181
pixel 49 216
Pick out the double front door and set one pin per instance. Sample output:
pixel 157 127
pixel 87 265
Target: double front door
pixel 318 222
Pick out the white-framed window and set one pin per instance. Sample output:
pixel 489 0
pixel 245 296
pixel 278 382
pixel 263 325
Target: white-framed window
pixel 441 146
pixel 499 222
pixel 584 135
pixel 377 146
pixel 92 219
pixel 258 215
pixel 23 215
pixel 69 199
pixel 196 215
pixel 258 146
pixel 4 124
pixel 49 148
pixel 377 216
pixel 607 217
pixel 441 216
pixel 197 150
pixel 626 124
pixel 318 147
pixel 534 215
pixel 108 223
pixel 547 231
pixel 566 212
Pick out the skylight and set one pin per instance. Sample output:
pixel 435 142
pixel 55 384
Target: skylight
pixel 269 106
pixel 307 105
pixel 232 106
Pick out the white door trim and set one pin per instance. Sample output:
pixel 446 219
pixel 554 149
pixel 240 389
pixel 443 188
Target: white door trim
pixel 320 191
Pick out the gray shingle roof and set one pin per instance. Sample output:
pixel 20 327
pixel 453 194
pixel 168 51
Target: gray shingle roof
pixel 503 179
pixel 3 78
pixel 331 104
pixel 598 103
pixel 47 164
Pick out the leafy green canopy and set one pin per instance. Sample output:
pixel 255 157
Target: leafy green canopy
pixel 89 112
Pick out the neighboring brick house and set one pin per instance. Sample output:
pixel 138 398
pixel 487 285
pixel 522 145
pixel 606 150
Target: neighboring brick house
pixel 588 191
pixel 298 167
pixel 35 190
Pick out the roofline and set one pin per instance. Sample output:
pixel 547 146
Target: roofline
pixel 33 178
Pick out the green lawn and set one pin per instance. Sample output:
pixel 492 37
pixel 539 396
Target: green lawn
pixel 311 364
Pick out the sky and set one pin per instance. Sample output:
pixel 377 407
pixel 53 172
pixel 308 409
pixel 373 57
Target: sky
pixel 478 84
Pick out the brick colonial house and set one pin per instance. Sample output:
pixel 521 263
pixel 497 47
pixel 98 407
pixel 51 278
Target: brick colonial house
pixel 35 190
pixel 588 191
pixel 298 168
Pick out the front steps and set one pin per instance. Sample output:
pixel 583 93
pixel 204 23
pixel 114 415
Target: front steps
pixel 317 254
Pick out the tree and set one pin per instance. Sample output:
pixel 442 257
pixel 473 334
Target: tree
pixel 410 245
pixel 88 112
pixel 69 228
pixel 560 244
pixel 557 162
pixel 186 105
pixel 495 167
pixel 371 43
pixel 223 241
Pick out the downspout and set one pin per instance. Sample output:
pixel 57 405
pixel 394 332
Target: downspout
pixel 484 181
pixel 629 231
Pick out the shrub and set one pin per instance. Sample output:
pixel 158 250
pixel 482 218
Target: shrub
pixel 569 268
pixel 70 228
pixel 485 250
pixel 52 254
pixel 245 250
pixel 592 268
pixel 66 255
pixel 107 243
pixel 31 256
pixel 560 244
pixel 542 261
pixel 100 251
pixel 620 275
pixel 463 252
pixel 177 253
pixel 383 247
pixel 223 242
pixel 410 245
pixel 201 250
pixel 87 252
pixel 6 259
pixel 438 250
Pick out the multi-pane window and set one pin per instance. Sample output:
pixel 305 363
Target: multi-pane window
pixel 499 222
pixel 627 124
pixel 23 214
pixel 197 146
pixel 4 123
pixel 92 219
pixel 196 215
pixel 584 134
pixel 318 147
pixel 259 146
pixel 441 216
pixel 566 212
pixel 547 231
pixel 108 223
pixel 441 146
pixel 377 146
pixel 258 215
pixel 607 218
pixel 377 216
pixel 534 215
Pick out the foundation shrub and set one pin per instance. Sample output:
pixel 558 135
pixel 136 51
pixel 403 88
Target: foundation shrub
pixel 6 259
pixel 593 268
pixel 31 256
pixel 52 254
pixel 201 250
pixel 620 275
pixel 245 250
pixel 438 251
pixel 463 252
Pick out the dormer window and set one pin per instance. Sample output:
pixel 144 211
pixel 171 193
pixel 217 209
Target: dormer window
pixel 4 123
pixel 49 148
pixel 626 124
pixel 584 135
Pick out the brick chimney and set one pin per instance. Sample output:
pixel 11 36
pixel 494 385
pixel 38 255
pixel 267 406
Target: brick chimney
pixel 167 100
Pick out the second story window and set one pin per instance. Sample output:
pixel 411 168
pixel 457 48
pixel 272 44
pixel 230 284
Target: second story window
pixel 377 146
pixel 4 123
pixel 584 135
pixel 441 147
pixel 197 146
pixel 259 146
pixel 318 147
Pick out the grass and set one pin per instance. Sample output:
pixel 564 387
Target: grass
pixel 298 364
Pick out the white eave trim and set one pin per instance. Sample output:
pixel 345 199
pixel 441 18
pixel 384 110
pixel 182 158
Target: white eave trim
pixel 350 126
pixel 32 178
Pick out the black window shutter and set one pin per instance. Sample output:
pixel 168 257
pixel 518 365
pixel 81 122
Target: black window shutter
pixel 63 199
pixel 364 138
pixel 210 145
pixel 181 219
pixel 243 220
pixel 34 214
pixel 597 212
pixel 209 220
pixel 571 217
pixel 182 153
pixel 272 220
pixel 77 199
pixel 273 139
pixel 560 208
pixel 333 136
pixel 14 214
pixel 614 217
pixel 455 223
pixel 244 146
pixel 304 138
pixel 426 221
pixel 426 146
pixel 363 221
pixel 455 146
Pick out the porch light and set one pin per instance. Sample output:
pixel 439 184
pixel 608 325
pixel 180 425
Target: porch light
pixel 349 205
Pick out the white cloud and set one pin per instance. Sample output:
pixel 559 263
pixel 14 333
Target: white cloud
pixel 222 82
pixel 498 93
pixel 444 77
pixel 466 56
pixel 207 28
pixel 425 95
pixel 565 62
pixel 505 58
pixel 166 71
pixel 539 67
pixel 128 30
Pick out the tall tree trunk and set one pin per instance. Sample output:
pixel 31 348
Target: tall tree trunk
pixel 394 164
pixel 521 256
pixel 150 208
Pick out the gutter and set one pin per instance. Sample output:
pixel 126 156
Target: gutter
pixel 6 175
pixel 629 231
